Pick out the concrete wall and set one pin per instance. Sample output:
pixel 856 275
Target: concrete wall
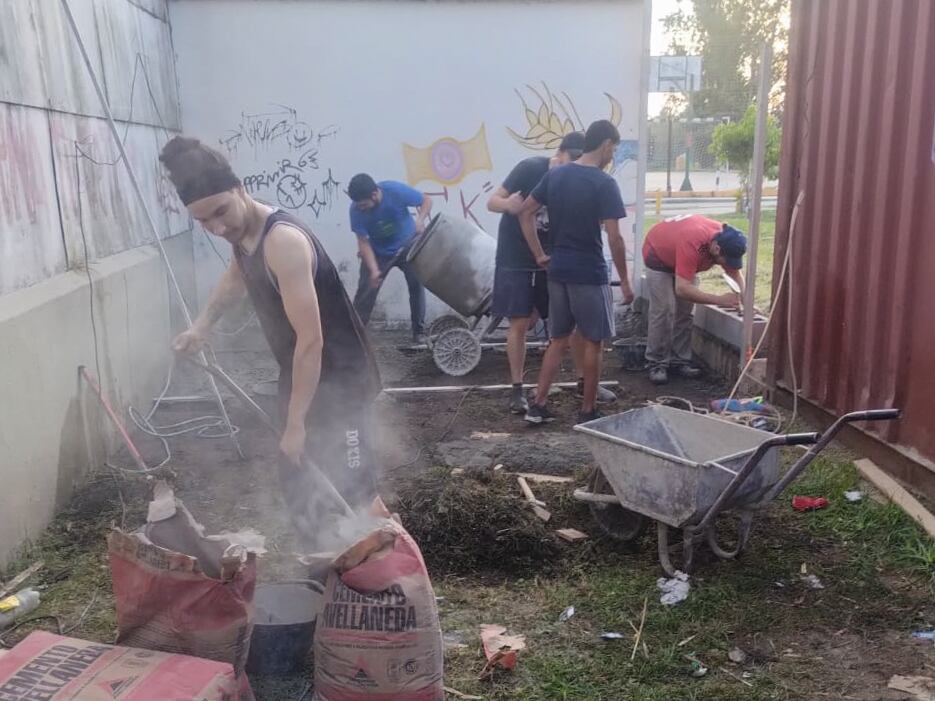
pixel 67 211
pixel 445 95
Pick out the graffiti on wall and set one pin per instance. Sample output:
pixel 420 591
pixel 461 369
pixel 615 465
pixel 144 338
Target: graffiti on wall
pixel 448 162
pixel 286 155
pixel 554 116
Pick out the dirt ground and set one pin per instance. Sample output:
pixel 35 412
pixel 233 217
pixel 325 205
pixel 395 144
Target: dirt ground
pixel 840 642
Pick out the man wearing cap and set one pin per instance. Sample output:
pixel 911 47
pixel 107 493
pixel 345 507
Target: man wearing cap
pixel 520 290
pixel 674 252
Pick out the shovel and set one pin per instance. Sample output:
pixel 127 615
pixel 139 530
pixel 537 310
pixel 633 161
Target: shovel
pixel 317 475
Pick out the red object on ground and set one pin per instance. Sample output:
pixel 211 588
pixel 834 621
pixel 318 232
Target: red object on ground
pixel 808 503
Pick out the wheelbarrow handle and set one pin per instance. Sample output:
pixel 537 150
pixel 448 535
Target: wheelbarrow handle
pixel 799 439
pixel 826 437
pixel 748 467
pixel 874 415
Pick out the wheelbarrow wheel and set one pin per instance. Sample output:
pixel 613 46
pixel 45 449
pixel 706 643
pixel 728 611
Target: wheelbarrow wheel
pixel 743 536
pixel 614 520
pixel 456 352
pixel 444 323
pixel 665 550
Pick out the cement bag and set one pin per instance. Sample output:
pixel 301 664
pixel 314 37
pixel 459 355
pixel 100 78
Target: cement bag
pixel 378 635
pixel 54 668
pixel 180 591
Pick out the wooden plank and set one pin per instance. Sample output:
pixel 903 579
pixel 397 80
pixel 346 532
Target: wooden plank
pixel 14 584
pixel 527 492
pixel 538 507
pixel 547 479
pixel 896 493
pixel 572 535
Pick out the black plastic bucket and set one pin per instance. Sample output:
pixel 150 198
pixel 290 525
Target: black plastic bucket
pixel 284 627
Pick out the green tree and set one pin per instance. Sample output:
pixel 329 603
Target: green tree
pixel 733 144
pixel 728 35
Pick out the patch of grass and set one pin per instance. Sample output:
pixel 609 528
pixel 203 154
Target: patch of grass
pixel 877 535
pixel 75 584
pixel 711 280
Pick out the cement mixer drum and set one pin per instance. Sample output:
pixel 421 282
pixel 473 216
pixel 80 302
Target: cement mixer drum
pixel 455 259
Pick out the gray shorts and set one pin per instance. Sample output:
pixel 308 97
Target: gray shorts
pixel 589 308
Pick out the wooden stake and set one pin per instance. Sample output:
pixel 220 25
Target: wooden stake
pixel 639 633
pixel 896 493
pixel 731 674
pixel 538 507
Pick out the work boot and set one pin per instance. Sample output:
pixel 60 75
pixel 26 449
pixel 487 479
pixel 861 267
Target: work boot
pixel 658 375
pixel 539 414
pixel 604 395
pixel 585 416
pixel 688 371
pixel 518 403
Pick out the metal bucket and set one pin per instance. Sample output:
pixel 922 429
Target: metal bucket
pixel 455 261
pixel 671 465
pixel 285 627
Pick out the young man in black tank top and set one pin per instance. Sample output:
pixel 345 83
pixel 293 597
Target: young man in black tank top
pixel 328 373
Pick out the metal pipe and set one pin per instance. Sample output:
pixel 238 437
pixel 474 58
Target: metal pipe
pixel 483 388
pixel 584 495
pixel 142 202
pixel 756 197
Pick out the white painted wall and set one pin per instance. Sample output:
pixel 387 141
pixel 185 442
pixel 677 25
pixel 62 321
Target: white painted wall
pixel 333 88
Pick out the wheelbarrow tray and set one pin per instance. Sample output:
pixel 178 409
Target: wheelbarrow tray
pixel 671 465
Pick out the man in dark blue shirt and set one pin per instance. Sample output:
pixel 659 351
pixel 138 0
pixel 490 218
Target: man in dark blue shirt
pixel 581 199
pixel 384 227
pixel 520 289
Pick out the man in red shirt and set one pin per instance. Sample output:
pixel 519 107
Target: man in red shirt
pixel 674 252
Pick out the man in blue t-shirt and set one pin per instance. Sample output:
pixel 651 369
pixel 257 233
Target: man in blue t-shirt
pixel 520 287
pixel 385 229
pixel 581 199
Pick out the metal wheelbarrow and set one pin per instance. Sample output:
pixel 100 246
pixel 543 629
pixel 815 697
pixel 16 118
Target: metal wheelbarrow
pixel 683 469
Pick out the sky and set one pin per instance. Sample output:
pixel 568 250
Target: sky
pixel 661 8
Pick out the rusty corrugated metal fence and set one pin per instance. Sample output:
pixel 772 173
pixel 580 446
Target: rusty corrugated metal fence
pixel 859 142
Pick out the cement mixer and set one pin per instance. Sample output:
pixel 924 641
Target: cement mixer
pixel 455 260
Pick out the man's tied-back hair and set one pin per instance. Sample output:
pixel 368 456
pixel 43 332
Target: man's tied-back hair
pixel 196 170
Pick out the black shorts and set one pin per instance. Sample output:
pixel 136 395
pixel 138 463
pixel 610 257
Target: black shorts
pixel 516 293
pixel 341 440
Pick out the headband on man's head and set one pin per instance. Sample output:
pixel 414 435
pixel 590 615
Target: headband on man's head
pixel 196 170
pixel 210 182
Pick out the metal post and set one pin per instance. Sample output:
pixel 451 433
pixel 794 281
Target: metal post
pixel 756 195
pixel 689 137
pixel 142 201
pixel 669 160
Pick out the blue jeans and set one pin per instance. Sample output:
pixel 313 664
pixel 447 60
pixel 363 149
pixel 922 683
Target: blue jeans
pixel 366 295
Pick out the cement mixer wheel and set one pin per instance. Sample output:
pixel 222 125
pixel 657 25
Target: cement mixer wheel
pixel 444 323
pixel 456 352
